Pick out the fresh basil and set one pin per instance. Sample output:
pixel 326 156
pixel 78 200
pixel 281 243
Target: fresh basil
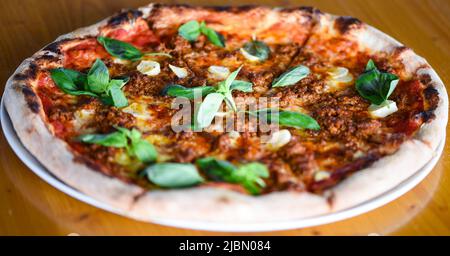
pixel 224 87
pixel 70 81
pixel 213 36
pixel 214 97
pixel 191 30
pixel 242 86
pixel 98 77
pixel 96 84
pixel 120 49
pixel 173 175
pixel 374 85
pixel 291 76
pixel 297 120
pixel 208 109
pixel 131 140
pixel 212 102
pixel 218 170
pixel 248 175
pixel 287 118
pixel 176 90
pixel 115 139
pixel 257 49
pixel 142 149
pixel 124 50
pixel 118 98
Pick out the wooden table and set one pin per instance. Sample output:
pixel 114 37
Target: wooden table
pixel 29 206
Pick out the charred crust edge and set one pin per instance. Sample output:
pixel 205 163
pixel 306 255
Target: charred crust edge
pixel 55 46
pixel 346 23
pixel 307 9
pixel 32 99
pixel 240 8
pixel 124 16
pixel 427 115
pixel 48 57
pixel 400 49
pixel 22 78
pixel 29 73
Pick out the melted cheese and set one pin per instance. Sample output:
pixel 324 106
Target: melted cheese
pixel 142 114
pixel 82 118
pixel 138 110
pixel 321 175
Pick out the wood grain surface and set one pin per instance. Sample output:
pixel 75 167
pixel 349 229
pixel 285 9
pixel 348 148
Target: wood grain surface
pixel 29 206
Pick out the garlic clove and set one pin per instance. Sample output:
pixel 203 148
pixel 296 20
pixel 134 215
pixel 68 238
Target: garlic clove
pixel 383 110
pixel 149 67
pixel 179 72
pixel 219 72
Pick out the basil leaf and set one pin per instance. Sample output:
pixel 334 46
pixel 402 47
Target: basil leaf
pixel 230 101
pixel 134 134
pixel 120 49
pixel 114 95
pixel 286 118
pixel 119 82
pixel 374 85
pixel 144 151
pixel 215 37
pixel 124 138
pixel 190 30
pixel 95 84
pixel 118 98
pixel 291 76
pixel 176 90
pixel 216 169
pixel 69 81
pixel 173 175
pixel 224 86
pixel 208 109
pixel 250 176
pixel 297 120
pixel 370 65
pixel 98 77
pixel 257 49
pixel 115 139
pixel 74 78
pixel 242 86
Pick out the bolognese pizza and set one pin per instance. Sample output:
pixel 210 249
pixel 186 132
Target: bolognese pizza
pixel 357 112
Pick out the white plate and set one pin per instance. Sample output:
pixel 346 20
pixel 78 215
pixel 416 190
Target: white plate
pixel 371 204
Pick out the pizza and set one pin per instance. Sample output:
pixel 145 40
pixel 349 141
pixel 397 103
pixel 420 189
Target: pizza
pixel 135 112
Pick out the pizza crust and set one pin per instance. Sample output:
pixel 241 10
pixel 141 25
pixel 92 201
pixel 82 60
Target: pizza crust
pixel 220 205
